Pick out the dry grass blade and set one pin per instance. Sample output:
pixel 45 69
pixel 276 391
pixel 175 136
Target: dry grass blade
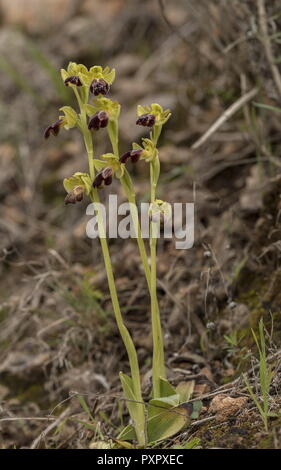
pixel 225 116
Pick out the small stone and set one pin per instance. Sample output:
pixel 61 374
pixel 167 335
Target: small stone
pixel 224 406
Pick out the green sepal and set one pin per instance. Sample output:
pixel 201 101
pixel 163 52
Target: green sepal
pixel 105 104
pixel 114 162
pixel 99 164
pixel 156 109
pixel 70 116
pixel 78 179
pixel 90 109
pixel 149 151
pixel 98 72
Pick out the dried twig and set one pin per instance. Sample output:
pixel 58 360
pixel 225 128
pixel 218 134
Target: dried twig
pixel 225 116
pixel 53 425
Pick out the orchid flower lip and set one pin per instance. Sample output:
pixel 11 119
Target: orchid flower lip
pixel 99 86
pixel 133 155
pixel 76 195
pixel 98 121
pixel 74 80
pixel 104 177
pixel 53 129
pixel 146 120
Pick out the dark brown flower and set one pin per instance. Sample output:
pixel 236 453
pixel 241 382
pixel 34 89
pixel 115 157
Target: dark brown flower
pixel 133 155
pixel 99 120
pixel 99 87
pixel 147 120
pixel 74 80
pixel 76 195
pixel 53 128
pixel 104 177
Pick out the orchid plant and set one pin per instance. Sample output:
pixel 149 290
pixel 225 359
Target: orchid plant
pixel 163 416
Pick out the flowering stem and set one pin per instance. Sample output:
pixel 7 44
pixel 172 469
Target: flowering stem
pixel 158 366
pixel 139 423
pixel 130 193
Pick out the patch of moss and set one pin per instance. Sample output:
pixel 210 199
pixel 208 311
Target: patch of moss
pixel 25 391
pixel 233 435
pixel 262 295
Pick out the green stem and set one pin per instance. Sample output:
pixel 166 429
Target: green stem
pixel 158 366
pixel 129 191
pixel 140 423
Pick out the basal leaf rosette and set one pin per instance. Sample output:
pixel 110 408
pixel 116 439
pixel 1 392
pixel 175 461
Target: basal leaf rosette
pixel 155 109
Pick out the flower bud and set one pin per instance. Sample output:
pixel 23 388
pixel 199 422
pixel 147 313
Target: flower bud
pixel 54 128
pixel 99 87
pixel 74 80
pixel 104 177
pixel 133 155
pixel 76 195
pixel 147 120
pixel 160 211
pixel 99 120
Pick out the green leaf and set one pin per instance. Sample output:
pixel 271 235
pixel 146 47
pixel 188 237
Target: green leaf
pixel 124 444
pixel 131 401
pixel 197 406
pixel 166 389
pixel 266 106
pixel 84 405
pixel 167 423
pixel 185 390
pixel 128 433
pixel 157 405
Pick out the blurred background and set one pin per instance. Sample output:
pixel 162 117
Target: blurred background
pixel 57 331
